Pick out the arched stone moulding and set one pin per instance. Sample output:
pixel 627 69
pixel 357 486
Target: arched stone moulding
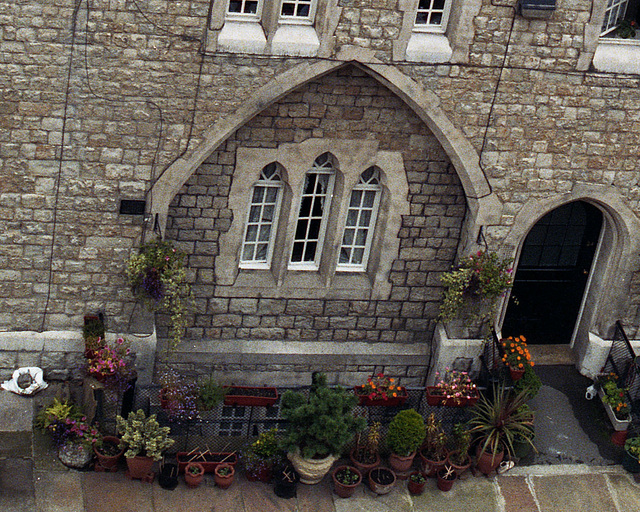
pixel 484 207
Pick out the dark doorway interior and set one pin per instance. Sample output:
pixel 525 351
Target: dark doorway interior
pixel 552 273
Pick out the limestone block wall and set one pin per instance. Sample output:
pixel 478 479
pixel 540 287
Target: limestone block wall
pixel 98 99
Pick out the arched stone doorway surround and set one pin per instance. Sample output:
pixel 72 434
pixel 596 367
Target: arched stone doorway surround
pixel 483 205
pixel 606 294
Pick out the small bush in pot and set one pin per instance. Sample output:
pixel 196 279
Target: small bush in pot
pixel 365 455
pixel 404 435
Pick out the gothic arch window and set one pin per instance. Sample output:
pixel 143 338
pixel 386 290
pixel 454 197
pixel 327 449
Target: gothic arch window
pixel 360 223
pixel 313 213
pixel 262 219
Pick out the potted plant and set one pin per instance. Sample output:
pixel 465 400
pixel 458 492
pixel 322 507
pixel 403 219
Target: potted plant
pixel 210 394
pixel 285 481
pixel 112 365
pixel 516 356
pixel 615 401
pixel 455 389
pixel 108 452
pixel 459 458
pixel 144 440
pixel 73 436
pixel 530 382
pixel 178 397
pixel 472 290
pixel 193 474
pixel 250 396
pixel 496 422
pixel 168 477
pixel 223 475
pixel 433 451
pixel 209 460
pixel 404 435
pixel 158 277
pixel 346 480
pixel 93 333
pixel 260 456
pixel 631 458
pixel 446 477
pixel 381 480
pixel 365 455
pixel 381 390
pixel 626 29
pixel 319 427
pixel 416 483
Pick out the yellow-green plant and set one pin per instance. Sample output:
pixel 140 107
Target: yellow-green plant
pixel 406 432
pixel 143 436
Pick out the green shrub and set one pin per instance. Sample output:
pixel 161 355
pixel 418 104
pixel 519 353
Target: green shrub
pixel 406 432
pixel 143 436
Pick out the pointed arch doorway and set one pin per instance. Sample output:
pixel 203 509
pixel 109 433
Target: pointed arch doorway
pixel 552 274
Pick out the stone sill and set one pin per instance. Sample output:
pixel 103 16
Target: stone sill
pixel 428 47
pixel 618 56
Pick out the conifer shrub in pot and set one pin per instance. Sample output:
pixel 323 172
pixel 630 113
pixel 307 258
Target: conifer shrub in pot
pixel 319 427
pixel 404 435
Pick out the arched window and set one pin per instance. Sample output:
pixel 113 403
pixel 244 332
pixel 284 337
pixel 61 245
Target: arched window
pixel 315 203
pixel 262 219
pixel 360 222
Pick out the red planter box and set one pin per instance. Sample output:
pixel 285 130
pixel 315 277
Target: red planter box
pixel 208 460
pixel 434 399
pixel 389 402
pixel 250 395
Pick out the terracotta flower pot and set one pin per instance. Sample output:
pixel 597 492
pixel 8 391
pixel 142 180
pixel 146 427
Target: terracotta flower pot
pixel 461 468
pixel 381 480
pixel 139 467
pixel 105 460
pixel 345 490
pixel 488 462
pixel 194 474
pixel 431 466
pixel 414 487
pixel 446 479
pixel 363 467
pixel 401 464
pixel 223 475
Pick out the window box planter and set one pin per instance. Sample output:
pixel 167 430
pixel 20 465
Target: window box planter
pixel 209 460
pixel 434 398
pixel 389 402
pixel 619 424
pixel 250 395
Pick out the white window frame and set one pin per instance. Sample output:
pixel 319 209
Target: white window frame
pixel 244 16
pixel 319 168
pixel 370 184
pixel 266 181
pixel 298 20
pixel 429 11
pixel 610 22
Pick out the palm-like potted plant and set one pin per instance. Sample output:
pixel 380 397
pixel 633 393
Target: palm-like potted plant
pixel 497 422
pixel 459 458
pixel 144 440
pixel 404 435
pixel 433 451
pixel 320 426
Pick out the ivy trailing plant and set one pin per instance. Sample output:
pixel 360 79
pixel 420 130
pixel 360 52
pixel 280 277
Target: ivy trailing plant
pixel 480 278
pixel 158 277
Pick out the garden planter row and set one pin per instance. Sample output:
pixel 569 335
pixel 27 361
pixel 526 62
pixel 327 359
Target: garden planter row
pixel 209 460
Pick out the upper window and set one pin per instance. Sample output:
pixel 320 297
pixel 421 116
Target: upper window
pixel 315 202
pixel 360 223
pixel 244 9
pixel 432 15
pixel 262 220
pixel 300 11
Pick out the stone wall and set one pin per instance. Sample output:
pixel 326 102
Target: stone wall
pixel 84 125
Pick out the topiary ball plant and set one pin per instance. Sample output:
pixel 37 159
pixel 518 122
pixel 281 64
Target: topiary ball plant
pixel 406 432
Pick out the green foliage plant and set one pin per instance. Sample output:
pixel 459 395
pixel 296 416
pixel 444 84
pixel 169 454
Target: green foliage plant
pixel 632 446
pixel 484 277
pixel 143 436
pixel 462 441
pixel 529 383
pixel 348 476
pixel 58 411
pixel 210 394
pixel 158 277
pixel 626 29
pixel 323 423
pixel 499 421
pixel 435 441
pixel 406 432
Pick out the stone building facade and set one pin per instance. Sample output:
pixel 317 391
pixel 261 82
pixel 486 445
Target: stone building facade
pixel 477 118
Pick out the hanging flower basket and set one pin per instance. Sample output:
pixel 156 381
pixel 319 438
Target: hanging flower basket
pixel 250 395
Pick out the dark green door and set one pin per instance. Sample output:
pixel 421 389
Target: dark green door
pixel 552 274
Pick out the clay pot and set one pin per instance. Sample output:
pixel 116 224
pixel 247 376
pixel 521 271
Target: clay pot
pixel 446 479
pixel 488 462
pixel 363 467
pixel 194 474
pixel 401 464
pixel 223 475
pixel 345 490
pixel 106 461
pixel 381 480
pixel 416 488
pixel 139 467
